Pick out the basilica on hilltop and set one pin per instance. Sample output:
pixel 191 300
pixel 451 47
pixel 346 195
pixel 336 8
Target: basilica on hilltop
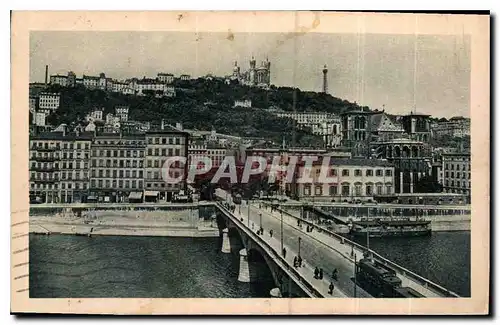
pixel 259 76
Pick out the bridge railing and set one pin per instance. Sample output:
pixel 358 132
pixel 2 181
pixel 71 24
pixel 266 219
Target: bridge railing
pixel 272 252
pixel 409 274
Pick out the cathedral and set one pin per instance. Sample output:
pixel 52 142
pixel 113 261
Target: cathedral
pixel 255 76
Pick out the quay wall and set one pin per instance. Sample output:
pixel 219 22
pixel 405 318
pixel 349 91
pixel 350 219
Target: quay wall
pixel 445 222
pixel 177 222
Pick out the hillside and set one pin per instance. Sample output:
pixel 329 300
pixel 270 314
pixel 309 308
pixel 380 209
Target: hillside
pixel 203 104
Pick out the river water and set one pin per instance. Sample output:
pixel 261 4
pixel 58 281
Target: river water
pixel 165 267
pixel 136 267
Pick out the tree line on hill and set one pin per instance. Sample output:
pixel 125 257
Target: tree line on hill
pixel 205 104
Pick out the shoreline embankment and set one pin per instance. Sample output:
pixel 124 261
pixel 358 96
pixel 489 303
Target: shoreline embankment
pixel 181 223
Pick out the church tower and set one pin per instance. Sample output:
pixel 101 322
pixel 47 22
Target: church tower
pixel 252 71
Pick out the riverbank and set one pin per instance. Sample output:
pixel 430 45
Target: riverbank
pixel 121 226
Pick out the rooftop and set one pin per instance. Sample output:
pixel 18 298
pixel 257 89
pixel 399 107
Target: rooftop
pixel 70 136
pixel 334 161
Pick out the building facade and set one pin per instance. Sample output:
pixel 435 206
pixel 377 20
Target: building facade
pixel 48 102
pixel 161 145
pixel 59 164
pixel 412 161
pixel 356 132
pixel 351 180
pixel 457 173
pixel 117 167
pixel 417 126
pixel 74 167
pixel 122 113
pixel 243 103
pixel 458 127
pixel 166 78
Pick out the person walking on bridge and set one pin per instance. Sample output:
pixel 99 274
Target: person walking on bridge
pixel 331 287
pixel 335 274
pixel 316 272
pixel 284 252
pixel 271 233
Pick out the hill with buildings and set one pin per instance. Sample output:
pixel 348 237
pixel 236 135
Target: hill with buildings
pixel 205 104
pixel 201 104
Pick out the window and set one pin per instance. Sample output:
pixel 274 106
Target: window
pixel 357 189
pixel 345 172
pixel 177 152
pixel 149 163
pixel 380 189
pixel 379 173
pixel 446 174
pixel 357 172
pixel 157 163
pixel 333 172
pixel 333 190
pixel 307 190
pixel 318 190
pixel 345 190
pixel 157 152
pixel 388 188
pixel 369 190
pixel 369 172
pixel 388 172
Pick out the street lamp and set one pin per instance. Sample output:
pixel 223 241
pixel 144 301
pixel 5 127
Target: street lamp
pixel 355 280
pixel 281 236
pixel 300 239
pixel 248 220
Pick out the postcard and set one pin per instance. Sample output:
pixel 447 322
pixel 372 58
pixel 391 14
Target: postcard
pixel 250 163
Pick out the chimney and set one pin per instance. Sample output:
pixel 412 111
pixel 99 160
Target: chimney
pixel 64 130
pixel 178 126
pixel 162 124
pixel 46 74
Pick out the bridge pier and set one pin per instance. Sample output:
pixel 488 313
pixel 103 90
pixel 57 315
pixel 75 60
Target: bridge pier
pixel 226 244
pixel 275 293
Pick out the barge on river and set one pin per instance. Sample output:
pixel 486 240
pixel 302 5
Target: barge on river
pixel 401 227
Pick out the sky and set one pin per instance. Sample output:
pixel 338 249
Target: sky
pixel 401 73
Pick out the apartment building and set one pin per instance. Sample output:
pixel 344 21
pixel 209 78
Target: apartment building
pixel 117 167
pixel 59 167
pixel 456 169
pixel 350 180
pixel 160 145
pixel 48 102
